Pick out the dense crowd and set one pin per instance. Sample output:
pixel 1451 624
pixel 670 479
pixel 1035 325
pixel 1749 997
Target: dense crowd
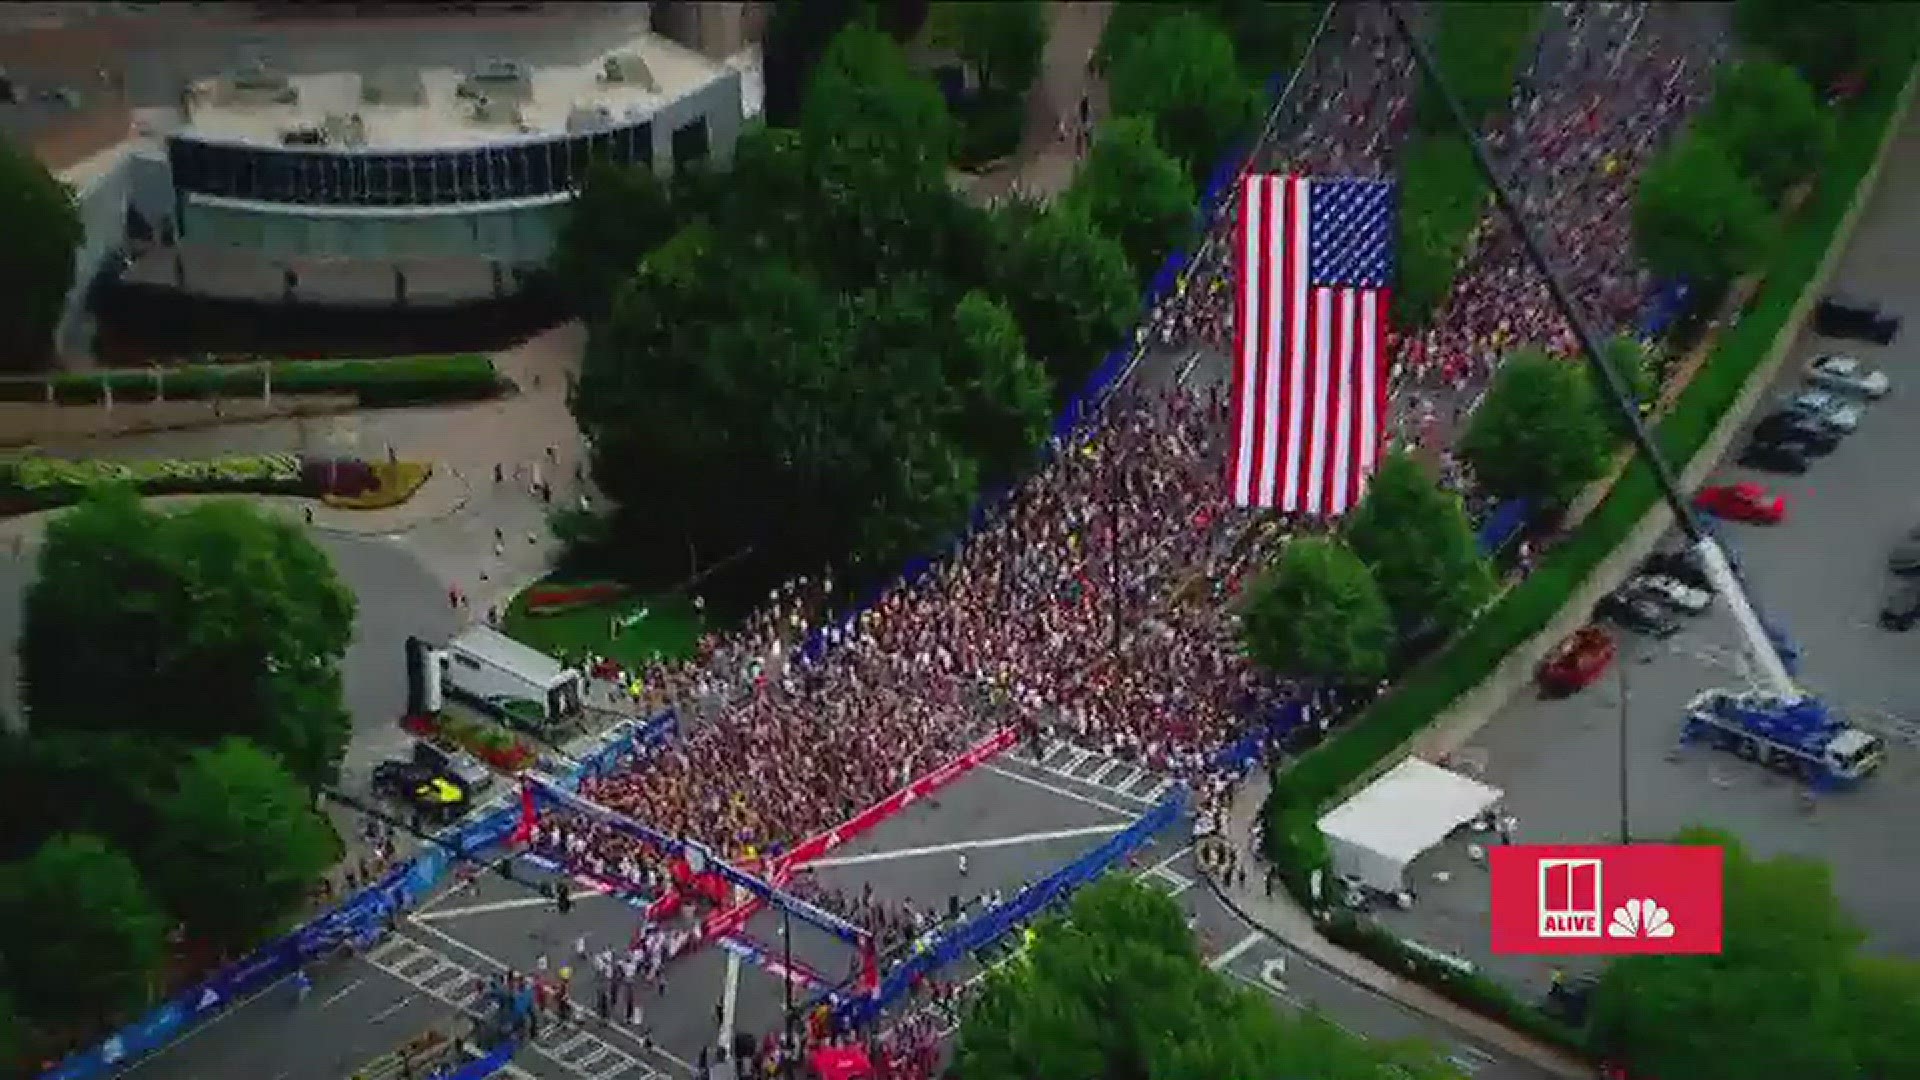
pixel 1093 605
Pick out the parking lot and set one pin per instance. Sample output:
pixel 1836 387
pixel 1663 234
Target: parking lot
pixel 1822 576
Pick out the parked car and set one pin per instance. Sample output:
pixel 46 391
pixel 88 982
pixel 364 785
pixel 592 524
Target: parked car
pixel 1637 613
pixel 1905 556
pixel 1678 564
pixel 457 764
pixel 1902 608
pixel 1848 375
pixel 426 790
pixel 1851 317
pixel 1792 458
pixel 1675 594
pixel 1828 408
pixel 1788 426
pixel 1745 501
pixel 1577 661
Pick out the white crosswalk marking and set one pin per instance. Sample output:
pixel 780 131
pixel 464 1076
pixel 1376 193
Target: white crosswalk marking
pixel 1101 771
pixel 1079 758
pixel 578 1051
pixel 1131 779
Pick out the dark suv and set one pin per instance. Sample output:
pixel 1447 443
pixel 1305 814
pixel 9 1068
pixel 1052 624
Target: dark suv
pixel 1851 317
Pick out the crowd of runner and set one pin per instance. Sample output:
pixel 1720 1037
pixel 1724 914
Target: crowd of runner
pixel 1093 605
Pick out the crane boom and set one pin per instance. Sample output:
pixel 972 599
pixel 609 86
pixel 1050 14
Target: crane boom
pixel 1753 633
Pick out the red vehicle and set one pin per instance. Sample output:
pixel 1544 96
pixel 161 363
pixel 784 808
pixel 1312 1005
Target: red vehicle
pixel 1745 501
pixel 1577 660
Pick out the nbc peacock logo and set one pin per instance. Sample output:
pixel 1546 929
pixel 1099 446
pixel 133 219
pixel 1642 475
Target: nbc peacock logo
pixel 1641 918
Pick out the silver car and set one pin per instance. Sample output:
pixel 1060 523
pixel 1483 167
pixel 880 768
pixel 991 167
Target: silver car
pixel 1848 375
pixel 1827 408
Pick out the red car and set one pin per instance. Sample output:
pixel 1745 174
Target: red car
pixel 1577 661
pixel 1745 501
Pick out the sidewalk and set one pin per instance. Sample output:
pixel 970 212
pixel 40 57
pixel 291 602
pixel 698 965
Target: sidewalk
pixel 1282 918
pixel 1044 164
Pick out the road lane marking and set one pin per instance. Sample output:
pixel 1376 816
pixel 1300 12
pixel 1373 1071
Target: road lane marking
pixel 390 1010
pixel 967 845
pixel 1058 790
pixel 342 992
pixel 515 904
pixel 196 1030
pixel 1238 950
pixel 1289 997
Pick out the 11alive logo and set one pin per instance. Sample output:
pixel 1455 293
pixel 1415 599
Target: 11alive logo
pixel 1591 899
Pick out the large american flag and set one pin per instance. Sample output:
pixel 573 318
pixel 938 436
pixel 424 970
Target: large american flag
pixel 1310 370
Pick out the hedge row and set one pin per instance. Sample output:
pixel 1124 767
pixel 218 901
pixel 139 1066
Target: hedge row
pixel 399 380
pixel 1293 840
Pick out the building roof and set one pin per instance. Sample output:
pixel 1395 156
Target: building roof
pixel 493 647
pixel 1409 810
pixel 424 109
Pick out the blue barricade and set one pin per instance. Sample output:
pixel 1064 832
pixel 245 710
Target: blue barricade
pixel 1241 754
pixel 486 1066
pixel 1503 524
pixel 1664 305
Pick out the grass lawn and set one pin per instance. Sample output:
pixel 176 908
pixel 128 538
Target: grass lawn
pixel 670 629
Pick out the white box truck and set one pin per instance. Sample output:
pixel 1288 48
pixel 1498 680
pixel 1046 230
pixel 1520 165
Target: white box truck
pixel 493 671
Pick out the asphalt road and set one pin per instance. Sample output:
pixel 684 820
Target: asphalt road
pixel 1822 576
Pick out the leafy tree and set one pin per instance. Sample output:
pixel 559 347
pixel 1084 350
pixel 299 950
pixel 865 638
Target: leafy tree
pixel 1005 396
pixel 240 843
pixel 1134 192
pixel 1441 199
pixel 1771 122
pixel 1695 217
pixel 1479 46
pixel 1539 434
pixel 1183 77
pixel 1068 284
pixel 224 621
pixel 796 38
pixel 1118 988
pixel 1421 549
pixel 106 783
pixel 1886 1002
pixel 1002 40
pixel 1828 40
pixel 1269 36
pixel 621 213
pixel 1778 1001
pixel 1631 363
pixel 80 935
pixel 1318 614
pixel 36 261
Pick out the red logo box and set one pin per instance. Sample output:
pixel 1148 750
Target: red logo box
pixel 1606 899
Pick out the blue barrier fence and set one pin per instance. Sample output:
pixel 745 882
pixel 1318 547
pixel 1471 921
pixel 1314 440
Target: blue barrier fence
pixel 1241 754
pixel 996 922
pixel 1503 524
pixel 486 1066
pixel 358 917
pixel 1663 307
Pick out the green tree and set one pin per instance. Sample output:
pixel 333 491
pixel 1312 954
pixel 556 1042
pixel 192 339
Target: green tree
pixel 36 261
pixel 1134 192
pixel 1421 548
pixel 1441 200
pixel 1632 364
pixel 1777 1001
pixel 797 37
pixel 106 783
pixel 1184 78
pixel 1118 988
pixel 224 619
pixel 1005 397
pixel 1771 122
pixel 1317 613
pixel 240 844
pixel 1826 39
pixel 80 935
pixel 1002 40
pixel 1539 434
pixel 621 213
pixel 1695 217
pixel 1479 47
pixel 1068 284
pixel 1885 992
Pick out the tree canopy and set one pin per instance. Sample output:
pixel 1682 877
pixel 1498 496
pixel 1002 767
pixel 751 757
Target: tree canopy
pixel 1136 193
pixel 1540 433
pixel 1068 284
pixel 1789 995
pixel 620 214
pixel 1420 547
pixel 80 935
pixel 37 260
pixel 1828 40
pixel 224 621
pixel 1771 122
pixel 1318 614
pixel 1696 218
pixel 1441 198
pixel 1479 47
pixel 1182 75
pixel 1002 40
pixel 1118 988
pixel 240 843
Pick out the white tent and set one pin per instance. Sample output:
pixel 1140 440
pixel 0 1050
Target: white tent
pixel 1375 834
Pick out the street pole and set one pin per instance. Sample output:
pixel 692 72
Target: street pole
pixel 1626 826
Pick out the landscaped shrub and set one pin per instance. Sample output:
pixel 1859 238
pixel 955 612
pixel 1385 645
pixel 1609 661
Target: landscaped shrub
pixel 554 599
pixel 392 483
pixel 399 380
pixel 490 743
pixel 34 483
pixel 321 476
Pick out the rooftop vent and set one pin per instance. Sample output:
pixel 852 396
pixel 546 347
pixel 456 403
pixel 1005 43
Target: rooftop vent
pixel 628 69
pixel 486 110
pixel 398 88
pixel 500 80
pixel 303 135
pixel 585 118
pixel 345 129
pixel 256 75
pixel 257 84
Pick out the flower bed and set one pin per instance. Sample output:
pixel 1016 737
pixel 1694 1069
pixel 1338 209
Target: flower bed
pixel 392 484
pixel 35 483
pixel 554 599
pixel 496 746
pixel 398 380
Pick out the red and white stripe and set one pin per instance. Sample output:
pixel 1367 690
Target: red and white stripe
pixel 1310 372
